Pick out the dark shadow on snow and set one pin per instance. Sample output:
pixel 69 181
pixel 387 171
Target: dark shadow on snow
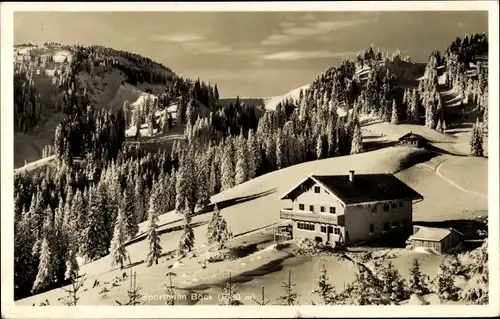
pixel 164 231
pixel 416 158
pixel 246 276
pixel 375 145
pixel 237 200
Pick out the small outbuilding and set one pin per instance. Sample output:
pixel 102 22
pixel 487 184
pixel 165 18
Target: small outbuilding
pixel 439 239
pixel 413 140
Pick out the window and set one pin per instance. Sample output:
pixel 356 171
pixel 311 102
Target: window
pixel 301 206
pixel 400 204
pixel 311 208
pixel 306 226
pixel 394 205
pixel 386 207
pixel 323 229
pixel 371 228
pixel 394 224
pixel 332 210
pixel 403 223
pixel 337 231
pixel 386 226
pixel 322 209
pixel 316 189
pixel 374 208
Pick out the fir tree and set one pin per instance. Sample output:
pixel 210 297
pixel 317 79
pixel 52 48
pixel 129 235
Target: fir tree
pixel 44 278
pixel 139 195
pixel 415 107
pixel 203 181
pixel 444 285
pixel 118 250
pixel 218 231
pixel 254 155
pixel 151 115
pixel 169 293
pixel 72 298
pixel 331 137
pixel 393 284
pixel 129 210
pixel 227 170
pixel 74 215
pixel 228 297
pixel 290 297
pixel 319 147
pixel 394 116
pixel 134 293
pixel 262 301
pixel 72 267
pixel 104 206
pixel 241 168
pixel 417 282
pixel 93 242
pixel 186 242
pixel 25 262
pixel 214 180
pixel 59 216
pixel 457 268
pixel 270 152
pixel 181 188
pixel 213 226
pixel 366 288
pixel 429 116
pixel 357 139
pixel 155 249
pixel 324 289
pixel 280 150
pixel 476 141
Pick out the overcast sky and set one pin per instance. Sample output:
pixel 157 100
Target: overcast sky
pixel 252 53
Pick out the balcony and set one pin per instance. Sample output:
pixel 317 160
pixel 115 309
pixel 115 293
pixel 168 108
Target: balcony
pixel 308 216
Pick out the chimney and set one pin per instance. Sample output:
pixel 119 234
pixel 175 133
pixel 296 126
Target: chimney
pixel 351 176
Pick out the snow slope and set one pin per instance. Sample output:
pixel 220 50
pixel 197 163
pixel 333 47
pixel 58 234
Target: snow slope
pixel 35 164
pixel 271 102
pixel 267 103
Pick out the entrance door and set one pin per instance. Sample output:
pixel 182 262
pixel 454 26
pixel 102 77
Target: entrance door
pixel 329 232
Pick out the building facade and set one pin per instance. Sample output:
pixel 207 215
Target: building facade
pixel 349 209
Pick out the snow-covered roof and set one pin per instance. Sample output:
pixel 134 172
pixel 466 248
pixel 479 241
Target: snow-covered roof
pixel 433 233
pixel 366 188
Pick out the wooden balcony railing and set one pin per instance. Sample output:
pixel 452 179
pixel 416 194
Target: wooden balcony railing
pixel 312 217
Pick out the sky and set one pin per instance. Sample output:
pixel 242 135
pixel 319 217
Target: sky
pixel 252 54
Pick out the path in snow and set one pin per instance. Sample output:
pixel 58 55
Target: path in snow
pixel 455 184
pixel 438 173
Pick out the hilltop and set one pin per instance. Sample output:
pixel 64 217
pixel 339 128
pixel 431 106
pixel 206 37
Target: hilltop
pixel 105 77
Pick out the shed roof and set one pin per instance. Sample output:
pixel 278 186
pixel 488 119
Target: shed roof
pixel 433 233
